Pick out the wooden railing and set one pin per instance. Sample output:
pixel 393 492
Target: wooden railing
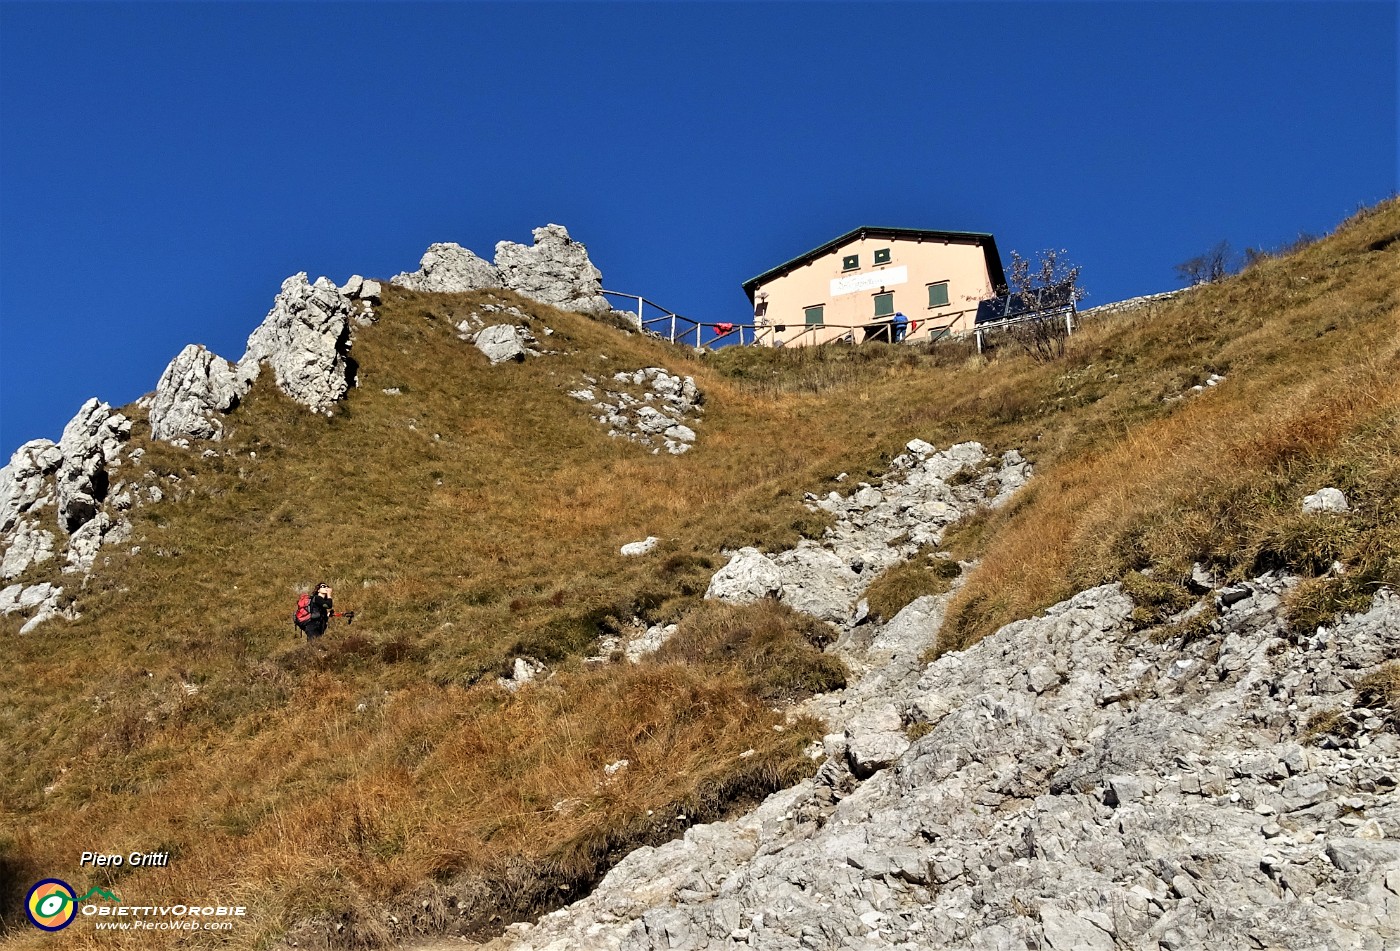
pixel 669 325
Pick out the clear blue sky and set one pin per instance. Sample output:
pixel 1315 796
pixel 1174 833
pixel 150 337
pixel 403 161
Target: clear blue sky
pixel 163 167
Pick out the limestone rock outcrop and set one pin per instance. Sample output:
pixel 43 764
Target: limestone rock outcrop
pixel 555 270
pixel 42 599
pixel 84 543
pixel 449 268
pixel 90 444
pixel 305 339
pixel 24 487
pixel 194 391
pixel 25 545
pixel 73 476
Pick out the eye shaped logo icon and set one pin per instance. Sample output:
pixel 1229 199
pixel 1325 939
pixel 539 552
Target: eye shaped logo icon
pixel 51 905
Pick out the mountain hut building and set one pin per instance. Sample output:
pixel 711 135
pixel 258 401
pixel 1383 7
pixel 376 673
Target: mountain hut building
pixel 851 287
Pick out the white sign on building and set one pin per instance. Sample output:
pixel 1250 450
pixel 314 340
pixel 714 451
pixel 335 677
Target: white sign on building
pixel 869 281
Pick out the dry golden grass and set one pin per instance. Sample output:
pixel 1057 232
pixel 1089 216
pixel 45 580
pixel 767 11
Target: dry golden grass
pixel 1312 344
pixel 476 517
pixel 923 574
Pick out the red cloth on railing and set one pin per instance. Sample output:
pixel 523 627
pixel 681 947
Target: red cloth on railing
pixel 724 328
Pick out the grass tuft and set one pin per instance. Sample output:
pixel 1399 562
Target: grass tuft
pixel 924 574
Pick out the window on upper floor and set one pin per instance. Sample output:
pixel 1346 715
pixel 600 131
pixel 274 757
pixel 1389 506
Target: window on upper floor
pixel 850 262
pixel 882 256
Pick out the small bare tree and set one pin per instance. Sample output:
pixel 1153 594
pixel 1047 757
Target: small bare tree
pixel 1046 291
pixel 1206 268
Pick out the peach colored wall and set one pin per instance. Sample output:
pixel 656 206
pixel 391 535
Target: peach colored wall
pixel 961 263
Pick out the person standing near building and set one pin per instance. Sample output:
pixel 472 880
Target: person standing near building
pixel 901 325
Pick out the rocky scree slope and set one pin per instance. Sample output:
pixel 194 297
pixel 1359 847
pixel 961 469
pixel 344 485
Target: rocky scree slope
pixel 67 499
pixel 1068 782
pixel 1072 781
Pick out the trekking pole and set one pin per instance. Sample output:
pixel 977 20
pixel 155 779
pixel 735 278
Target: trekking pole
pixel 348 615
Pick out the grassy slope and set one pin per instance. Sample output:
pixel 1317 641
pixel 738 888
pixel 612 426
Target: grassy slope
pixel 391 769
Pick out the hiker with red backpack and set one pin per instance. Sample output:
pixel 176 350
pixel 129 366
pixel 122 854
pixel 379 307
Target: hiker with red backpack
pixel 314 612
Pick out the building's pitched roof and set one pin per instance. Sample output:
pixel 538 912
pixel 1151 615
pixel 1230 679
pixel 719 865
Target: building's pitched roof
pixel 984 239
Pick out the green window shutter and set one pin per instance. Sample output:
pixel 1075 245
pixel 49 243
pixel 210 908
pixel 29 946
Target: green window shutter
pixel 938 294
pixel 884 304
pixel 850 262
pixel 882 256
pixel 815 316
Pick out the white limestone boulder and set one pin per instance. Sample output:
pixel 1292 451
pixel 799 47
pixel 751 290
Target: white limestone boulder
pixel 750 576
pixel 448 268
pixel 633 549
pixel 194 391
pixel 1326 501
pixel 502 342
pixel 818 582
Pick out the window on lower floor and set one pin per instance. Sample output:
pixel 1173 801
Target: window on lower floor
pixel 938 294
pixel 884 304
pixel 815 315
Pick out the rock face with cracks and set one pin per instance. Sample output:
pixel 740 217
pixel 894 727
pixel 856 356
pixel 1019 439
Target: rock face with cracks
pixel 24 486
pixel 90 444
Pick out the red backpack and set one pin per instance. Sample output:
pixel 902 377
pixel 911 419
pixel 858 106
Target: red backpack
pixel 303 613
